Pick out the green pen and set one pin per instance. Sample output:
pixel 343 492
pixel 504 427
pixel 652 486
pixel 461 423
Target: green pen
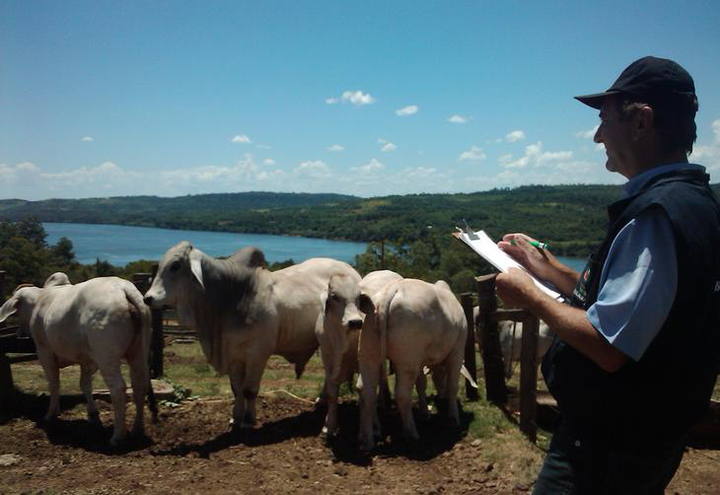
pixel 537 244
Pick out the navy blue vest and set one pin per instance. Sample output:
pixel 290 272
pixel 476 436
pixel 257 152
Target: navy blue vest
pixel 659 397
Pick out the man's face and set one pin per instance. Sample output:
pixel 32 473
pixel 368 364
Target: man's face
pixel 615 134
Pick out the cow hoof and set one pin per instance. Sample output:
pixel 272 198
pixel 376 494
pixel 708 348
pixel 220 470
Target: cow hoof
pixel 94 420
pixel 117 441
pixel 330 433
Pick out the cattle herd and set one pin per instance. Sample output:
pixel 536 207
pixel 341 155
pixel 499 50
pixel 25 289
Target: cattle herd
pixel 243 314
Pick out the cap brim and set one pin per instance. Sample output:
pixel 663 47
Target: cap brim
pixel 595 100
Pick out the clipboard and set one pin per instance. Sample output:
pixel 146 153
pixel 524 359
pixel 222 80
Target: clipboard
pixel 483 245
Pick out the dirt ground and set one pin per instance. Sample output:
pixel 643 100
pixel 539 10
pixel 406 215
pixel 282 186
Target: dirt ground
pixel 191 450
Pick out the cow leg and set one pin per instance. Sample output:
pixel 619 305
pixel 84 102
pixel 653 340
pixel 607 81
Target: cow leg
pixel 140 380
pixel 86 375
pixel 405 378
pixel 332 384
pixel 421 387
pixel 369 422
pixel 52 374
pixel 253 374
pixel 115 383
pixel 385 398
pixel 454 363
pixel 237 381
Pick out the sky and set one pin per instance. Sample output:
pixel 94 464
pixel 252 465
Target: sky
pixel 168 98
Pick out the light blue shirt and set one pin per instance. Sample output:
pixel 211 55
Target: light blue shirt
pixel 639 278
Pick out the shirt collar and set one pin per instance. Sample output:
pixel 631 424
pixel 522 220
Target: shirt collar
pixel 636 183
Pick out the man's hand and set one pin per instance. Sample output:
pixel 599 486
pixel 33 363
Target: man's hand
pixel 539 262
pixel 516 289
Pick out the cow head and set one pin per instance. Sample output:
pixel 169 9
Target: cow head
pixel 342 301
pixel 21 303
pixel 180 272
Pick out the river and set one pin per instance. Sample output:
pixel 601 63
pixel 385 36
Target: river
pixel 119 244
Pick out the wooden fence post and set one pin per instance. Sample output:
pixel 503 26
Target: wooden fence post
pixel 528 377
pixel 495 389
pixel 471 393
pixel 7 387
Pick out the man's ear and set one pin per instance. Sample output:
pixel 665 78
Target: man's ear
pixel 196 266
pixel 365 303
pixel 10 307
pixel 643 121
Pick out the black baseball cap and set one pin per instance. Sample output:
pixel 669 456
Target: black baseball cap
pixel 650 79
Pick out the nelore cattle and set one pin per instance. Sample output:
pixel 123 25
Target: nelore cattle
pixel 414 324
pixel 243 313
pixel 338 331
pixel 96 324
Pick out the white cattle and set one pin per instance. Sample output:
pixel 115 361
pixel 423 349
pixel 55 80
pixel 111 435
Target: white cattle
pixel 338 330
pixel 414 324
pixel 96 324
pixel 510 336
pixel 243 313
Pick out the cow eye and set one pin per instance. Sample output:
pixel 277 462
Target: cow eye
pixel 175 266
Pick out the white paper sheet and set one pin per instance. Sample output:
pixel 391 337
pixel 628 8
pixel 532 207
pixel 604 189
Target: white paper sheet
pixel 483 245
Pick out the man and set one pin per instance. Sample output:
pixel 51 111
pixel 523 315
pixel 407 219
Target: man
pixel 636 352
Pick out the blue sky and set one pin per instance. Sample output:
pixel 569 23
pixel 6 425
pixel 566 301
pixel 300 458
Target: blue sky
pixel 107 98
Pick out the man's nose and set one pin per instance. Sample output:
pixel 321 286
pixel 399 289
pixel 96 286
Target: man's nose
pixel 598 137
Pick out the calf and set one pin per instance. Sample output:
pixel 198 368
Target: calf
pixel 414 324
pixel 338 330
pixel 95 324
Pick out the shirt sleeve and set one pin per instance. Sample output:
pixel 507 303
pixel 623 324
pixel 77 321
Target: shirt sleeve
pixel 638 284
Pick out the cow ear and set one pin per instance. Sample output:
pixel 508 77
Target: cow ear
pixel 324 300
pixel 196 266
pixel 365 303
pixel 9 308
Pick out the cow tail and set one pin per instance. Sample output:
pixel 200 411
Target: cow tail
pixel 383 316
pixel 142 326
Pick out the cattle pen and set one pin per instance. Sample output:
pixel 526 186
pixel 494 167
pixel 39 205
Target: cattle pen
pixel 191 449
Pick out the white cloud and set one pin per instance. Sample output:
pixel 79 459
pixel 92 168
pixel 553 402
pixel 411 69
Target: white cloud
pixel 535 156
pixel 458 119
pixel 371 166
pixel 269 161
pixel 408 110
pixel 474 153
pixel 241 138
pixel 589 134
pixel 356 97
pixel 709 154
pixel 87 139
pixel 387 145
pixel 311 168
pixel 336 147
pixel 514 136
